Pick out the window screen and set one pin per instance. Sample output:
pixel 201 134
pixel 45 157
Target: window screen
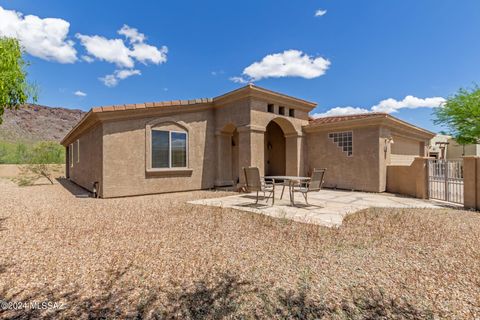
pixel 179 149
pixel 169 149
pixel 160 149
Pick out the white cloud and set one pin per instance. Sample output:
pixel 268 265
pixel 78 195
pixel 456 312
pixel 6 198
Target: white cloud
pixel 387 106
pixel 87 59
pixel 290 63
pixel 409 102
pixel 320 13
pixel 147 53
pixel 117 52
pixel 123 74
pixel 340 111
pixel 111 80
pixel 79 93
pixel 43 38
pixel 238 79
pixel 110 50
pixel 132 34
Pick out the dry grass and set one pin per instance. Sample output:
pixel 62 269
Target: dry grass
pixel 156 256
pixel 21 175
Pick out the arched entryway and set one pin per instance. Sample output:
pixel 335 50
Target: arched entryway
pixel 275 152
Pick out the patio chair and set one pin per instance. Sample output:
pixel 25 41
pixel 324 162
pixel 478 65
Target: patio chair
pixel 314 184
pixel 258 184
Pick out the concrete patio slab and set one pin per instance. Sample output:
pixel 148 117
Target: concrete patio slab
pixel 327 207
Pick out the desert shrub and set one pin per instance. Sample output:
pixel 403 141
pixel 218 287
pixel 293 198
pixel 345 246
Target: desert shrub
pixel 22 153
pixel 46 153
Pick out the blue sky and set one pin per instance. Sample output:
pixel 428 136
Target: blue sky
pixel 357 54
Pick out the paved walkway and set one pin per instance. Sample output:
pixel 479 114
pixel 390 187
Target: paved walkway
pixel 327 207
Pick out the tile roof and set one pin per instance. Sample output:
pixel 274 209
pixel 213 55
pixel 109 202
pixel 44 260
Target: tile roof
pixel 151 105
pixel 334 119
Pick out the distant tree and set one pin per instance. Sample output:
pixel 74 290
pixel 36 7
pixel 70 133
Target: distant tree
pixel 41 162
pixel 22 154
pixel 14 87
pixel 461 115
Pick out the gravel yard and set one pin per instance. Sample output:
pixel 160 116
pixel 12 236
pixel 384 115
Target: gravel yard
pixel 159 257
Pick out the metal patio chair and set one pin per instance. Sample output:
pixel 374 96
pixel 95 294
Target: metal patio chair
pixel 258 184
pixel 314 184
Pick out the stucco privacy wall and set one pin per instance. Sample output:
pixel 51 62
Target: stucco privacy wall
pixel 357 172
pixel 409 180
pixel 471 178
pixel 125 155
pixel 89 167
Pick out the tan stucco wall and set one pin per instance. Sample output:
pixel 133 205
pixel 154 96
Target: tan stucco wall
pixel 409 180
pixel 249 118
pixel 404 151
pixel 471 176
pixel 357 172
pixel 125 156
pixel 401 150
pixel 456 151
pixel 89 169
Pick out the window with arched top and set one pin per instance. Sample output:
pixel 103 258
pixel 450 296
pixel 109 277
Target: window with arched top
pixel 167 146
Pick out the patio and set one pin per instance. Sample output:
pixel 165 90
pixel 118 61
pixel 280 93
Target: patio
pixel 327 207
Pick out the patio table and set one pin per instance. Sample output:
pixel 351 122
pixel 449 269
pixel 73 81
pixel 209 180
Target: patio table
pixel 291 181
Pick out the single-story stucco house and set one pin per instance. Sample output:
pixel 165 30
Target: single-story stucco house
pixel 196 144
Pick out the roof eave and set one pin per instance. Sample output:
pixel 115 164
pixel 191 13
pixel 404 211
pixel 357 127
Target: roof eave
pixel 379 119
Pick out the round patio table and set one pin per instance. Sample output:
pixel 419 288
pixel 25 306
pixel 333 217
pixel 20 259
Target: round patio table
pixel 291 180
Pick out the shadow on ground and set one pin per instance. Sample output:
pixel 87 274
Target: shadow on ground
pixel 227 297
pixel 73 188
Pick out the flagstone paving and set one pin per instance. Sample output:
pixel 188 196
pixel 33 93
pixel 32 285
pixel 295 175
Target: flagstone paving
pixel 327 207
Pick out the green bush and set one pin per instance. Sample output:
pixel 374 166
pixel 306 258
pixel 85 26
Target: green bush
pixel 22 153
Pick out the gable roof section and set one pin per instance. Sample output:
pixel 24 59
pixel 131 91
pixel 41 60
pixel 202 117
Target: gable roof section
pixel 364 119
pixel 252 90
pixel 334 119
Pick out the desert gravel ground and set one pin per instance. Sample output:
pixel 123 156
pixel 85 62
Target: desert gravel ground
pixel 158 257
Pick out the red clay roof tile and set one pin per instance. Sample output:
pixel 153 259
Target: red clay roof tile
pixel 334 119
pixel 108 108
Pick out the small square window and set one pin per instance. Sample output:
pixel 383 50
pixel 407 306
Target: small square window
pixel 281 110
pixel 270 108
pixel 291 113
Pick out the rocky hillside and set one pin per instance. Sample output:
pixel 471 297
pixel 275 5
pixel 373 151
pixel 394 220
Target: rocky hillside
pixel 32 123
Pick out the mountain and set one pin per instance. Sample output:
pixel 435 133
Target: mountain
pixel 32 123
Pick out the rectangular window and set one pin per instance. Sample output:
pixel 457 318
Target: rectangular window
pixel 78 151
pixel 281 110
pixel 70 156
pixel 270 108
pixel 291 113
pixel 169 149
pixel 179 149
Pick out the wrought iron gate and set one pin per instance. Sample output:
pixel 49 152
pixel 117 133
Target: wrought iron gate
pixel 445 180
